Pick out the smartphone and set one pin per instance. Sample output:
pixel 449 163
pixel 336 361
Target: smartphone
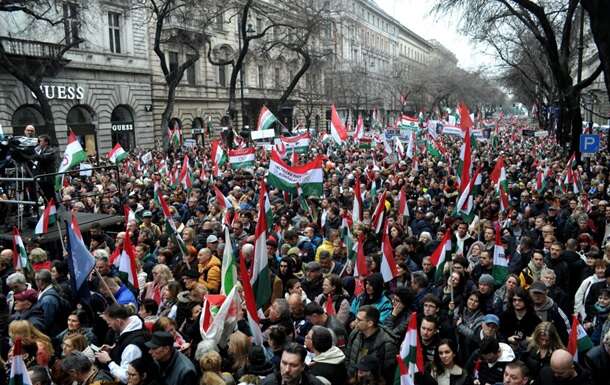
pixel 95 348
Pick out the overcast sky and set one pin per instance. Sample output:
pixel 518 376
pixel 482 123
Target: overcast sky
pixel 414 15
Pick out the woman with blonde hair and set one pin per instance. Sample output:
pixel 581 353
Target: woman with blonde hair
pixel 211 374
pixel 540 346
pixel 33 341
pixel 238 350
pixel 39 259
pixel 161 276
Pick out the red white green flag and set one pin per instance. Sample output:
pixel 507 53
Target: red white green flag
pixel 19 372
pixel 261 281
pixel 117 154
pixel 265 119
pixel 185 174
pixel 20 255
pixel 242 157
pixel 500 259
pixel 579 341
pixel 337 128
pixel 441 255
pixel 389 270
pixel 47 218
pixel 410 359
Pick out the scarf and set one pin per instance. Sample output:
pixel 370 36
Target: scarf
pixel 535 271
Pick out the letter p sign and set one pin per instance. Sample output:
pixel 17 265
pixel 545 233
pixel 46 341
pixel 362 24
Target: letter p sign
pixel 589 144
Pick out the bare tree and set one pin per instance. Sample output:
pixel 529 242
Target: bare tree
pixel 552 24
pixel 179 25
pixel 49 59
pixel 598 11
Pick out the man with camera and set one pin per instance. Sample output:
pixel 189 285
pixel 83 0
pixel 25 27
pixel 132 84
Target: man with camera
pixel 45 159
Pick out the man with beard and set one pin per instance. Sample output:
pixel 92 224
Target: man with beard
pixel 292 368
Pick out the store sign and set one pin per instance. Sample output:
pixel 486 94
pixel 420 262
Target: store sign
pixel 62 92
pixel 122 127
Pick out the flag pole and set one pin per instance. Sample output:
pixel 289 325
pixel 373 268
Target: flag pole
pixel 61 237
pixel 105 285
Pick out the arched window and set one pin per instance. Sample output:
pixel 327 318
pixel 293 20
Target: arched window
pixel 122 127
pixel 80 121
pixel 30 114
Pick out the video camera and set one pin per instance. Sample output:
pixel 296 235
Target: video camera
pixel 17 148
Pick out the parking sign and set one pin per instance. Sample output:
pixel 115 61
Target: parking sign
pixel 589 144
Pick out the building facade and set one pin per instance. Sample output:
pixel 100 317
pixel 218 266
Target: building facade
pixel 101 91
pixel 203 93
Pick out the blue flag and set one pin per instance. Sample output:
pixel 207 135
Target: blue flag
pixel 80 260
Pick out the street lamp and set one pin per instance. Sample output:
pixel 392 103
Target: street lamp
pixel 241 72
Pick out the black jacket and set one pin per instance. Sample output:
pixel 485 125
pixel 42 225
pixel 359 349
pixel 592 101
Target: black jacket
pixel 547 378
pixel 597 361
pixel 276 379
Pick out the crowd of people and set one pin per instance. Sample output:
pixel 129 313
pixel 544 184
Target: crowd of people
pixel 326 322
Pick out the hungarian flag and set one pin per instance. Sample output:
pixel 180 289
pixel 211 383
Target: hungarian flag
pixel 47 218
pixel 411 147
pixel 19 372
pixel 251 304
pixel 465 119
pixel 268 211
pixel 73 156
pixel 578 341
pixel 125 262
pixel 265 119
pixel 309 176
pixel 572 179
pixel 129 214
pixel 219 315
pixel 408 123
pixel 542 177
pixel 500 260
pixel 389 270
pixel 441 254
pixel 175 135
pixel 357 206
pixel 299 143
pixel 498 178
pixel 337 128
pixel 117 154
pixel 400 150
pixel 20 255
pixel 365 143
pixel 185 174
pixel 229 268
pixel 359 132
pixel 242 157
pixel 219 156
pixel 222 200
pixel 403 207
pixel 465 202
pixel 261 281
pixel 410 359
pixel 378 215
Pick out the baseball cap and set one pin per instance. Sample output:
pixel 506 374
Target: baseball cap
pixel 29 295
pixel 538 287
pixel 147 214
pixel 491 319
pixel 211 238
pixel 160 339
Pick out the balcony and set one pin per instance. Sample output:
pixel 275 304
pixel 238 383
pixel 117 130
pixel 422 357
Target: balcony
pixel 30 48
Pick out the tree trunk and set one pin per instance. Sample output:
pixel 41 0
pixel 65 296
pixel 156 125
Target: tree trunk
pixel 47 113
pixel 598 11
pixel 296 78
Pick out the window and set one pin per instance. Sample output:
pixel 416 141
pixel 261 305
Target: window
pixel 220 20
pixel 114 31
pixel 277 77
pixel 261 77
pixel 222 76
pixel 173 61
pixel 71 23
pixel 259 24
pixel 190 72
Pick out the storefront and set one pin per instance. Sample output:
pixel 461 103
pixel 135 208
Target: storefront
pixel 122 127
pixel 80 121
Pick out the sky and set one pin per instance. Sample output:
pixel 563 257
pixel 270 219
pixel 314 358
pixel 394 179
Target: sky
pixel 414 14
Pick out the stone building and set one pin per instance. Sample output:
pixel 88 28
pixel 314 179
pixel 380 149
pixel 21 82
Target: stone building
pixel 102 91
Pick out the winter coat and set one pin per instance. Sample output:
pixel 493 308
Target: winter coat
pixel 276 379
pixel 546 377
pixel 381 344
pixel 582 292
pixel 383 305
pixel 549 311
pixel 398 324
pixel 598 361
pixel 179 370
pixel 330 365
pixel 209 275
pixel 494 373
pixel 341 305
pixel 50 305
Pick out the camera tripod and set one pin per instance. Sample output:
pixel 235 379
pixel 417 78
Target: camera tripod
pixel 26 188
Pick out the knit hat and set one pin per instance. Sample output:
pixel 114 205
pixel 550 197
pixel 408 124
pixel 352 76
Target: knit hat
pixel 486 279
